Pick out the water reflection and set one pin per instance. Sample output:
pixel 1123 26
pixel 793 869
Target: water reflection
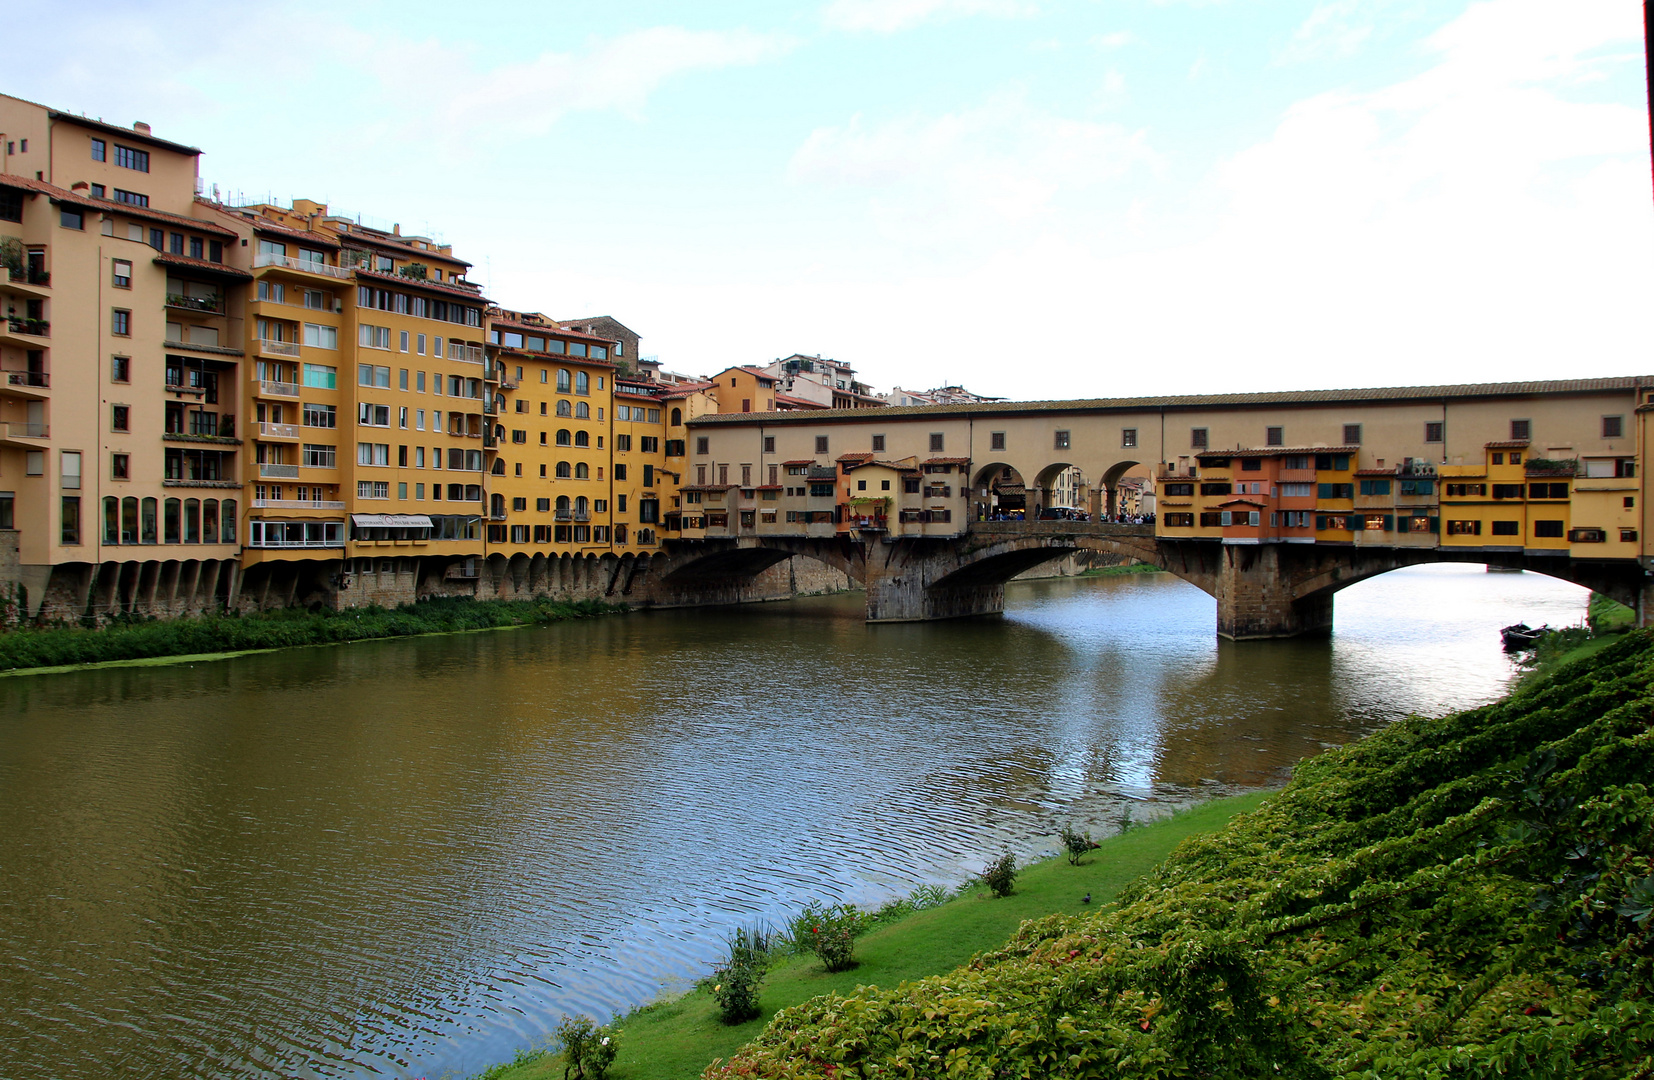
pixel 408 857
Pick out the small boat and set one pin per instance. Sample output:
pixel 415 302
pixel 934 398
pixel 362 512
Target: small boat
pixel 1523 636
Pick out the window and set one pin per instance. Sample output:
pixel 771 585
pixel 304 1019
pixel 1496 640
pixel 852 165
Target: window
pixel 321 337
pixel 1179 521
pixel 373 489
pixel 70 218
pixel 1375 487
pixel 936 441
pixel 821 444
pixel 1352 434
pixel 1464 528
pixel 371 415
pixel 563 437
pixel 1547 529
pixel 128 158
pixel 1252 465
pixel 1128 437
pixel 374 337
pixel 120 369
pixel 120 467
pixel 120 417
pixel 1521 430
pixel 368 453
pixel 1507 528
pixel 175 243
pixel 878 444
pixel 1613 427
pixel 69 532
pixel 996 440
pixel 321 377
pixel 69 470
pixel 318 456
pixel 1274 436
pixel 100 150
pixel 1433 430
pixel 121 270
pixel 120 323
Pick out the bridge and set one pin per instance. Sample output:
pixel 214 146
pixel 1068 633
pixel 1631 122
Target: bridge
pixel 1261 591
pixel 1270 502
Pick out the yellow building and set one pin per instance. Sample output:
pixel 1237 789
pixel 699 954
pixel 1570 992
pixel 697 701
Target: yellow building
pixel 641 485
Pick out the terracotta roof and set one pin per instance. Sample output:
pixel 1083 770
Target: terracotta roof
pixel 1506 444
pixel 854 457
pixel 442 287
pixel 396 244
pixel 263 225
pixel 1254 399
pixel 948 461
pixel 882 464
pixel 1242 502
pixel 75 198
pixel 800 461
pixel 1278 451
pixel 707 487
pixel 1376 472
pixel 768 487
pixel 123 132
pixel 798 402
pixel 204 265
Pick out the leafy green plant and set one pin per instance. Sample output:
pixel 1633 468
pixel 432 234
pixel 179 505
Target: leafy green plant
pixel 1000 875
pixel 736 981
pixel 1075 843
pixel 588 1049
pixel 829 931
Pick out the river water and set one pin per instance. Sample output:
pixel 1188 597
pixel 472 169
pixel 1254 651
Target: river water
pixel 410 858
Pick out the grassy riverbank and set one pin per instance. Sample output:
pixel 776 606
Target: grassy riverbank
pixel 1470 896
pixel 216 636
pixel 1127 568
pixel 679 1038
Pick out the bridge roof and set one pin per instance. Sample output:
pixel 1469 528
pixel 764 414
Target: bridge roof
pixel 1254 399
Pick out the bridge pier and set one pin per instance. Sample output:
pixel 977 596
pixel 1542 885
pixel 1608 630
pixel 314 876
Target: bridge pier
pixel 1255 595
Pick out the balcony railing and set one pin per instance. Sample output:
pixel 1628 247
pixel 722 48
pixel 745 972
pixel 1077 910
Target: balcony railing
pixel 213 305
pixel 563 515
pixel 33 327
pixel 277 472
pixel 19 429
pixel 278 348
pixel 339 543
pixel 296 504
pixel 582 515
pixel 264 258
pixel 266 388
pixel 29 276
pixel 465 354
pixel 278 431
pixel 28 378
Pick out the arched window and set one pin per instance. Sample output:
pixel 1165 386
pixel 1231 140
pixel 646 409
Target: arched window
pixel 582 411
pixel 499 432
pixel 582 438
pixel 562 502
pixel 111 520
pixel 564 438
pixel 580 471
pixel 170 521
pixel 581 505
pixel 499 466
pixel 192 521
pixel 226 534
pixel 677 417
pixel 562 380
pixel 620 534
pixel 209 521
pixel 563 470
pixel 148 535
pixel 498 505
pixel 129 520
pixel 582 382
pixel 563 409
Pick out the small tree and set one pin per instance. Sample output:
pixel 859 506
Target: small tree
pixel 1000 876
pixel 735 982
pixel 1075 843
pixel 587 1050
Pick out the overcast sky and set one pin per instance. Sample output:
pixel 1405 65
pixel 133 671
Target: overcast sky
pixel 1034 198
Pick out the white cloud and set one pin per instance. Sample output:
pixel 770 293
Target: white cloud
pixel 619 73
pixel 889 16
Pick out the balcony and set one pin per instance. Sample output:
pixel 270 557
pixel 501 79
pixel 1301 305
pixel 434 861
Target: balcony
pixel 19 275
pixel 34 384
pixel 267 471
pixel 303 266
pixel 466 354
pixel 564 515
pixel 278 348
pixel 284 543
pixel 210 305
pixel 582 515
pixel 266 388
pixel 28 328
pixel 18 429
pixel 277 431
pixel 296 504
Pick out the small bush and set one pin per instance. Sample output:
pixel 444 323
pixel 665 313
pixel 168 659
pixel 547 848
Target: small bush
pixel 1000 876
pixel 829 931
pixel 1075 843
pixel 735 982
pixel 588 1050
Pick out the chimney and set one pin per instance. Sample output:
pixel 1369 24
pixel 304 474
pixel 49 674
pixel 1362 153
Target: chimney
pixel 140 127
pixel 397 229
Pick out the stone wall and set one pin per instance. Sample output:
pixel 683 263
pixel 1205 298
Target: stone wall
pixel 11 579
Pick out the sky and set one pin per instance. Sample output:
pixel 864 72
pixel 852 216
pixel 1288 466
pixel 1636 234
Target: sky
pixel 1032 198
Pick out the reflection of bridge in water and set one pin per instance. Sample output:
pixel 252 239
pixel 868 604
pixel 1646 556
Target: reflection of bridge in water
pixel 1262 591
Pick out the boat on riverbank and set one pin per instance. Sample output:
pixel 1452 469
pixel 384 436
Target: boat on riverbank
pixel 1522 636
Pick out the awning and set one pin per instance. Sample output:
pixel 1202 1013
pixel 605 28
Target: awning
pixel 391 521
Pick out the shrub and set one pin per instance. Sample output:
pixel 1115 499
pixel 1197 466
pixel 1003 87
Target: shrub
pixel 829 931
pixel 1000 876
pixel 735 982
pixel 588 1050
pixel 1075 843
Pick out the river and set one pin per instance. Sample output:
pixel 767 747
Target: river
pixel 409 858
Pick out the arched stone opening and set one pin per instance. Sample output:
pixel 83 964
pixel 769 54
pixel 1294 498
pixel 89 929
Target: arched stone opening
pixel 998 491
pixel 1112 501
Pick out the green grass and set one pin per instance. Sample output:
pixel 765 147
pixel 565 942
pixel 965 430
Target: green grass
pixel 1127 568
pixel 680 1037
pixel 1605 615
pixel 150 641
